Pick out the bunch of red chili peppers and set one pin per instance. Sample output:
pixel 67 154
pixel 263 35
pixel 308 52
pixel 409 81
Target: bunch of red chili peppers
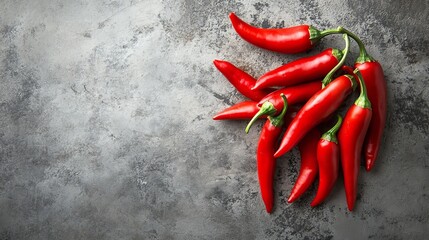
pixel 302 98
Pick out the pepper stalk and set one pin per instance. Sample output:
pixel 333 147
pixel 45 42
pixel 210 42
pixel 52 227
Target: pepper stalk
pixel 363 100
pixel 328 77
pixel 363 54
pixel 278 120
pixel 331 134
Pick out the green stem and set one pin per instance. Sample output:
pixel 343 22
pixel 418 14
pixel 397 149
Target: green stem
pixel 278 120
pixel 328 77
pixel 266 109
pixel 363 54
pixel 363 100
pixel 331 134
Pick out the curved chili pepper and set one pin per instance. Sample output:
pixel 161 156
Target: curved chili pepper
pixel 241 80
pixel 317 109
pixel 351 137
pixel 373 77
pixel 248 109
pixel 301 70
pixel 328 160
pixel 243 110
pixel 294 94
pixel 285 40
pixel 308 169
pixel 266 163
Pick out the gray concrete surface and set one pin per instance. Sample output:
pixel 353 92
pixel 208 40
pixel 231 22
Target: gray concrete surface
pixel 106 130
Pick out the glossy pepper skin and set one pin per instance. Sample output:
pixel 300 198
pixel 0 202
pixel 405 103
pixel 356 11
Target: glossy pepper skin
pixel 348 70
pixel 294 94
pixel 317 109
pixel 351 137
pixel 373 76
pixel 248 109
pixel 301 70
pixel 242 110
pixel 328 160
pixel 285 40
pixel 266 163
pixel 309 168
pixel 241 80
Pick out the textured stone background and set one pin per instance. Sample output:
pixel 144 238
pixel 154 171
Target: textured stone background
pixel 106 130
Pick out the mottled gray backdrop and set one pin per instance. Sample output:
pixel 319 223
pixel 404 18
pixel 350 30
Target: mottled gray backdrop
pixel 106 130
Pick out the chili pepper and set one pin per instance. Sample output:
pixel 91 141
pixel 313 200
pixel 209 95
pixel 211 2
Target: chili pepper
pixel 241 80
pixel 294 94
pixel 308 169
pixel 248 109
pixel 317 109
pixel 373 77
pixel 243 110
pixel 266 163
pixel 285 40
pixel 301 70
pixel 328 157
pixel 351 137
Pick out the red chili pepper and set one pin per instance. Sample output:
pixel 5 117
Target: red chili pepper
pixel 377 93
pixel 241 80
pixel 243 110
pixel 248 109
pixel 301 70
pixel 328 160
pixel 317 109
pixel 266 163
pixel 351 137
pixel 285 40
pixel 376 89
pixel 295 94
pixel 308 169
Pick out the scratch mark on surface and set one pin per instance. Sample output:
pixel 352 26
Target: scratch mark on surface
pixel 86 90
pixel 216 95
pixel 73 89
